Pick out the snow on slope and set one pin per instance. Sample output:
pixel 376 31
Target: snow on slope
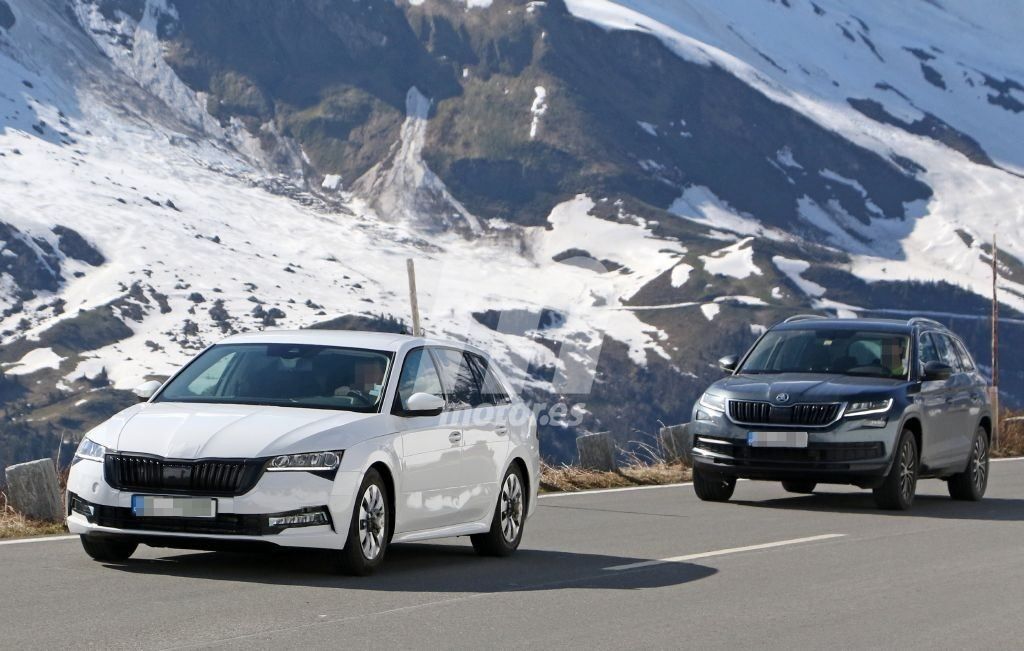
pixel 958 62
pixel 181 214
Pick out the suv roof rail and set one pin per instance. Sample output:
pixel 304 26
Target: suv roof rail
pixel 920 320
pixel 804 317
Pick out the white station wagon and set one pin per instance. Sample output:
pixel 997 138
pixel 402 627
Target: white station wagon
pixel 322 439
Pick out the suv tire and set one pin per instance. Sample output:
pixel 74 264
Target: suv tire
pixel 711 487
pixel 799 486
pixel 897 491
pixel 970 484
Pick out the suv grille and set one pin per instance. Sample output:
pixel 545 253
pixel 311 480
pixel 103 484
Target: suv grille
pixel 765 413
pixel 206 477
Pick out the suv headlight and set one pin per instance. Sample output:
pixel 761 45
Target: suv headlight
pixel 711 401
pixel 307 461
pixel 869 407
pixel 90 450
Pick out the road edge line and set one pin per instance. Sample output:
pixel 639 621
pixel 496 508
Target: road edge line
pixel 22 541
pixel 723 552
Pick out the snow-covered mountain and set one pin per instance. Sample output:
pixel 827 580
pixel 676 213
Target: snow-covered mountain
pixel 643 184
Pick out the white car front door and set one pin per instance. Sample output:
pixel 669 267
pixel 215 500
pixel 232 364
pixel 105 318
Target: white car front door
pixel 431 488
pixel 481 411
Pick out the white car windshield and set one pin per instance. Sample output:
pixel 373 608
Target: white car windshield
pixel 286 375
pixel 840 352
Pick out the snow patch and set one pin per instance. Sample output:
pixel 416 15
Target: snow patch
pixel 648 127
pixel 34 360
pixel 736 260
pixel 710 310
pixel 680 274
pixel 792 269
pixel 538 109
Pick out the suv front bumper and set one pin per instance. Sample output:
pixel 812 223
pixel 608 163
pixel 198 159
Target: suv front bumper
pixel 845 453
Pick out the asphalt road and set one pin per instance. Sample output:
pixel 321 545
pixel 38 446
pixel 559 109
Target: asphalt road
pixel 946 575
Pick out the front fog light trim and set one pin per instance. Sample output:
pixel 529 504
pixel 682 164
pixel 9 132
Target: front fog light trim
pixel 311 517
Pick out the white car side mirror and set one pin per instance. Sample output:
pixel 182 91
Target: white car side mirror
pixel 146 390
pixel 424 404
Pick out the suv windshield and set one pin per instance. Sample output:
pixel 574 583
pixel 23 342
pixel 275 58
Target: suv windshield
pixel 843 352
pixel 286 375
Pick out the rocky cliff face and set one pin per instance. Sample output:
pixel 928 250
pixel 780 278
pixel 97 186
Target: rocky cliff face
pixel 636 187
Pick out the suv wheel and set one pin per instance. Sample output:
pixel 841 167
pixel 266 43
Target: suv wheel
pixel 897 491
pixel 711 487
pixel 370 528
pixel 970 484
pixel 799 486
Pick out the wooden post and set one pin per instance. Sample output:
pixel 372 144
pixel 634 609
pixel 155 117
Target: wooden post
pixel 995 342
pixel 413 300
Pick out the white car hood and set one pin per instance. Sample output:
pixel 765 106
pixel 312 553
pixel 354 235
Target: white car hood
pixel 194 431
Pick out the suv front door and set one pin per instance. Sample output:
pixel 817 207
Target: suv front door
pixel 939 443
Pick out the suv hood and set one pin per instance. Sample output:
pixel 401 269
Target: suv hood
pixel 804 387
pixel 194 431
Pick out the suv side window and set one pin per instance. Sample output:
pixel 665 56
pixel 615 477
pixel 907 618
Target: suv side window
pixel 491 390
pixel 419 375
pixel 926 351
pixel 965 357
pixel 458 377
pixel 947 354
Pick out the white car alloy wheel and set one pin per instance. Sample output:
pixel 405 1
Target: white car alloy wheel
pixel 511 508
pixel 373 522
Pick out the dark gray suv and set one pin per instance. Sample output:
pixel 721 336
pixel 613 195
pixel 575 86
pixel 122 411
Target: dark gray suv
pixel 876 403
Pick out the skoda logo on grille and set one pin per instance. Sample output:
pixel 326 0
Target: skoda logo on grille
pixel 782 397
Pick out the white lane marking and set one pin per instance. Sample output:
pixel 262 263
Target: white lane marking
pixel 22 541
pixel 723 552
pixel 599 491
pixel 1008 459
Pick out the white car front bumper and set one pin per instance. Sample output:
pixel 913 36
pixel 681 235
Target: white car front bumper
pixel 97 508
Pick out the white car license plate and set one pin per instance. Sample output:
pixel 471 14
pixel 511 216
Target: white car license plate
pixel 156 506
pixel 777 439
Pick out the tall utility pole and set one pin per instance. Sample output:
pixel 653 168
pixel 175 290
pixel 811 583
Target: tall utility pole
pixel 995 339
pixel 413 300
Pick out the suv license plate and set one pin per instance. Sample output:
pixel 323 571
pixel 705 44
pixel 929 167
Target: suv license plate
pixel 155 506
pixel 777 439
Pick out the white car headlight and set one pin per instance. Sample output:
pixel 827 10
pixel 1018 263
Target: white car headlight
pixel 308 461
pixel 869 407
pixel 711 401
pixel 90 450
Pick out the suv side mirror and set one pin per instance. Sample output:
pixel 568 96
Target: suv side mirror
pixel 146 390
pixel 728 363
pixel 424 404
pixel 936 372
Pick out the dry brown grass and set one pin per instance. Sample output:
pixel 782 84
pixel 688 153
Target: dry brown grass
pixel 15 525
pixel 573 478
pixel 1011 436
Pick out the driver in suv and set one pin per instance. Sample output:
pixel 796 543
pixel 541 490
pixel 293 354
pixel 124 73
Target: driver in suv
pixel 876 403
